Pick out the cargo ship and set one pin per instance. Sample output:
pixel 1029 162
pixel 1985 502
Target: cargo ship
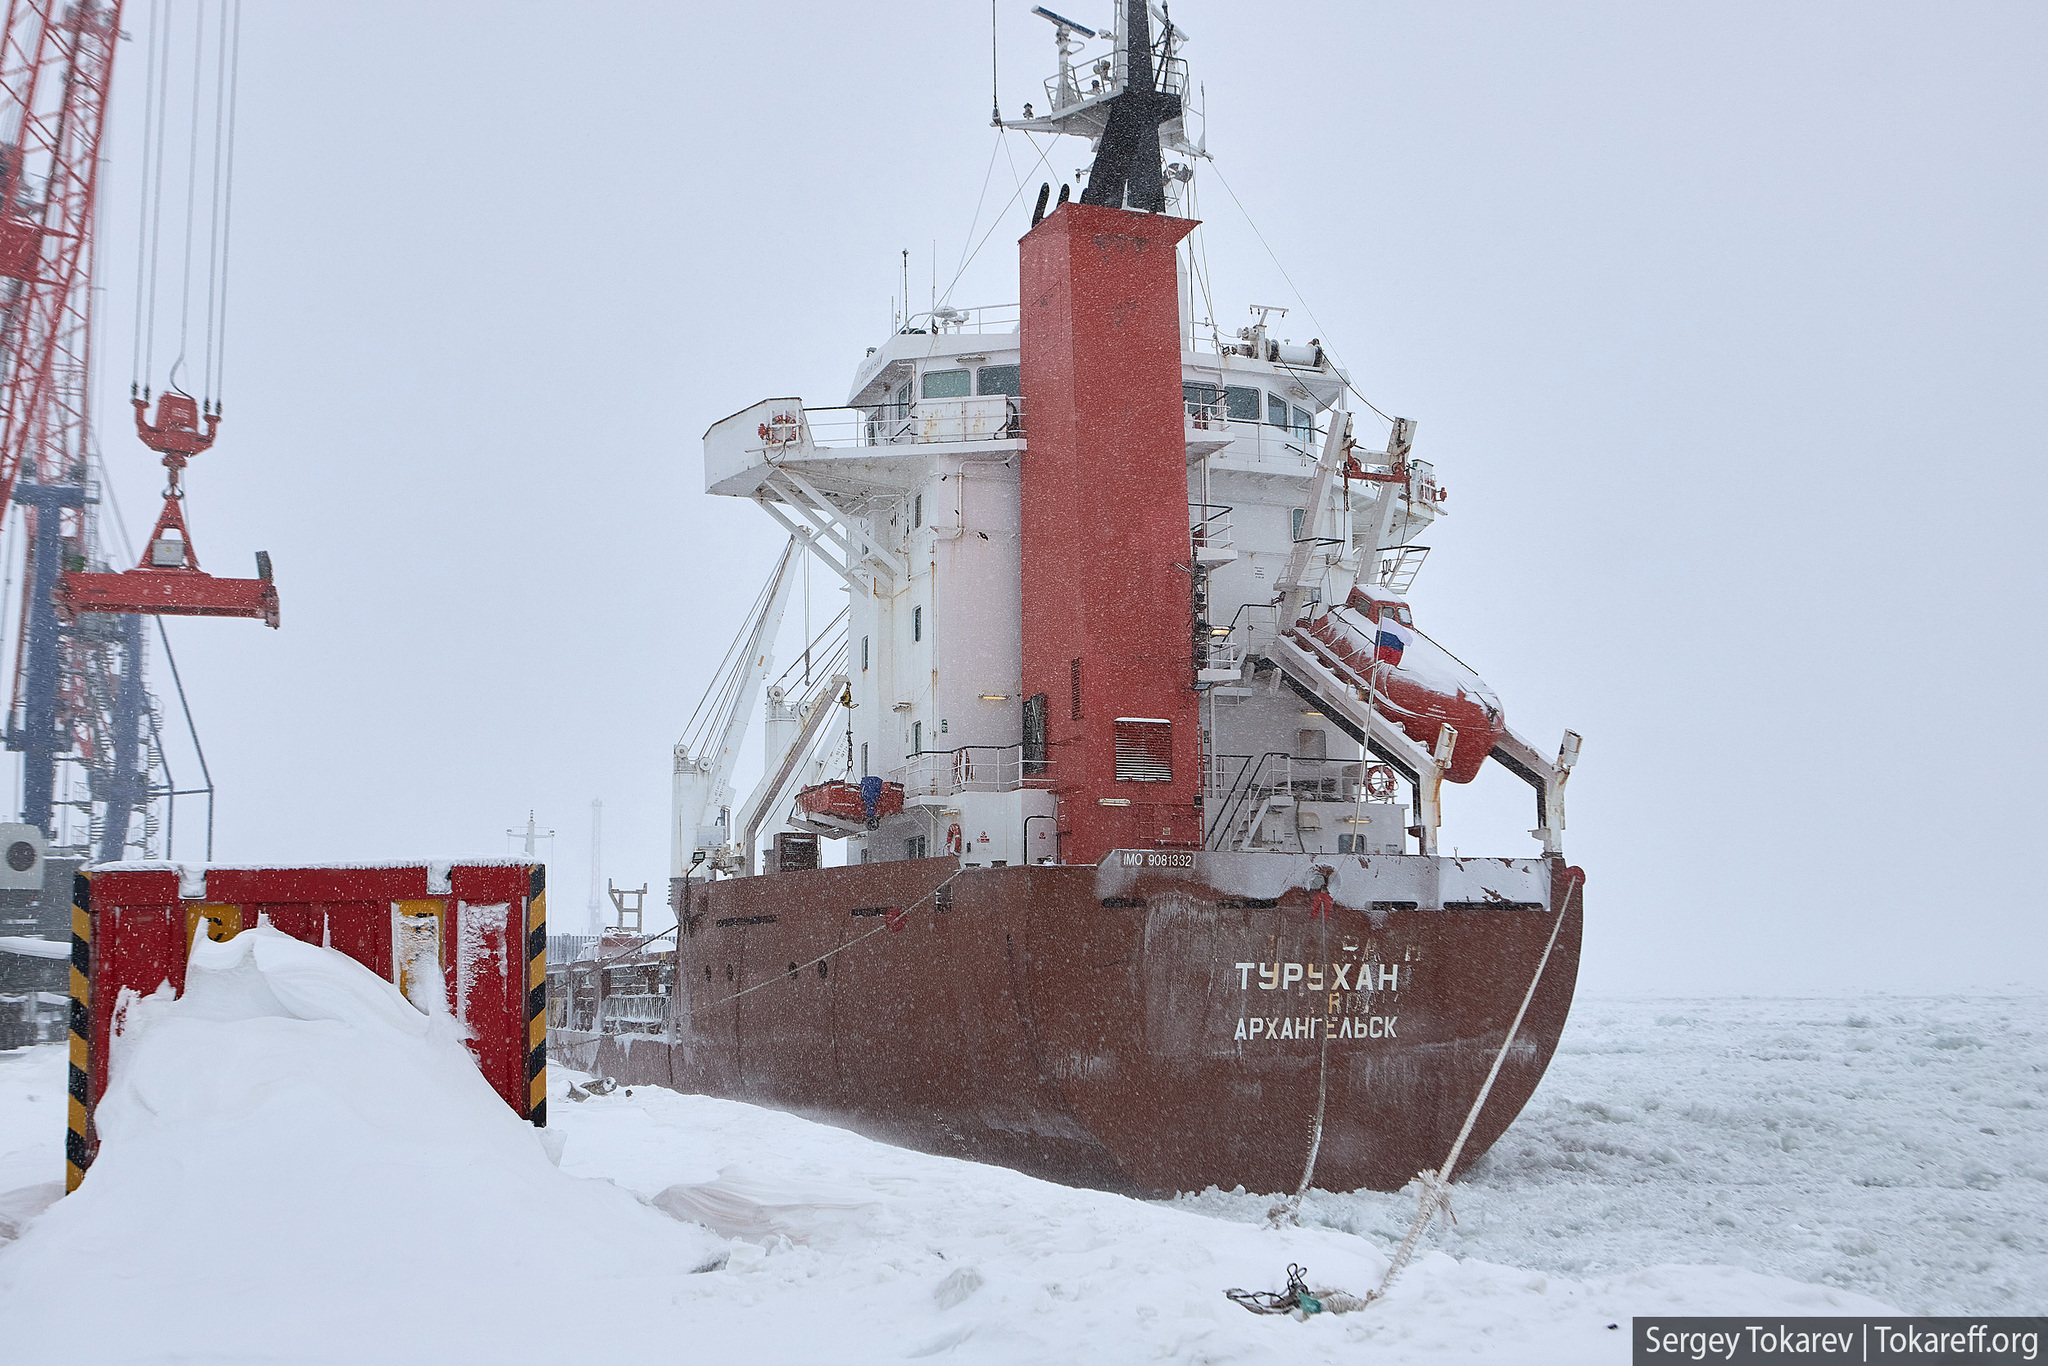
pixel 1129 739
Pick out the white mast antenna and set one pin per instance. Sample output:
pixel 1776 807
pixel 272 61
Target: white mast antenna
pixel 532 834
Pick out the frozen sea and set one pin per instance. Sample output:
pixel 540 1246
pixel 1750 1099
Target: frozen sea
pixel 1753 1156
pixel 1893 1146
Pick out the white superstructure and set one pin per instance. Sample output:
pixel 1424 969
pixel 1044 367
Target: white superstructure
pixel 908 494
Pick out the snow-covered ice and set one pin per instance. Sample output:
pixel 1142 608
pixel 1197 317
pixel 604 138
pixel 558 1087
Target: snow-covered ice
pixel 299 1167
pixel 1893 1146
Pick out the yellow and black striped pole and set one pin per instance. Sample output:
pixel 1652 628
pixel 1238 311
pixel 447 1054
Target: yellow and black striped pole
pixel 78 1141
pixel 537 996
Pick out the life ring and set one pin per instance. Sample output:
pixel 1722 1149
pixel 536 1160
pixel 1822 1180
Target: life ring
pixel 953 838
pixel 1381 782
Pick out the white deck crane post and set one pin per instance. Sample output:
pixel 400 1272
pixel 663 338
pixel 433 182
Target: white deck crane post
pixel 700 818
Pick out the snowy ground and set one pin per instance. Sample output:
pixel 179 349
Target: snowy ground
pixel 289 1138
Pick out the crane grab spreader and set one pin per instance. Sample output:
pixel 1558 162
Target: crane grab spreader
pixel 169 581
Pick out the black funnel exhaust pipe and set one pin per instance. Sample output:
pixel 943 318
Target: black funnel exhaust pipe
pixel 1127 170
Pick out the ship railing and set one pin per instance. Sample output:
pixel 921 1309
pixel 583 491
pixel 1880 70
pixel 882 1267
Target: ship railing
pixel 1259 443
pixel 1173 75
pixel 1211 534
pixel 1220 774
pixel 567 948
pixel 974 318
pixel 1071 87
pixel 1281 774
pixel 971 768
pixel 632 1013
pixel 1251 626
pixel 1219 660
pixel 987 417
pixel 1232 784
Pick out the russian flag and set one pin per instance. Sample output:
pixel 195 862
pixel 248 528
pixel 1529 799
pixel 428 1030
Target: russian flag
pixel 1388 646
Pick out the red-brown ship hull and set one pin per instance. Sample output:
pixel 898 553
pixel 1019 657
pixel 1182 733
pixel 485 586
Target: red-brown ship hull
pixel 1131 1028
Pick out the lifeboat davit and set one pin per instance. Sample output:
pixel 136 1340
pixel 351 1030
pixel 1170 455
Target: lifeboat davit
pixel 1413 681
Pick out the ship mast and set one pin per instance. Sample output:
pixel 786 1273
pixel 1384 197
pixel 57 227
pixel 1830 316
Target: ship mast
pixel 1131 102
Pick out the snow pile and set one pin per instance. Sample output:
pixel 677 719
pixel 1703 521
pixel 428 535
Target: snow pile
pixel 296 1164
pixel 300 1167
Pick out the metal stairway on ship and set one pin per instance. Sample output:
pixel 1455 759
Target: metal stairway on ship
pixel 1320 681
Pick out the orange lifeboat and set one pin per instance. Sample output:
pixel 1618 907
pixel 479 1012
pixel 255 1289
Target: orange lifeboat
pixel 1413 681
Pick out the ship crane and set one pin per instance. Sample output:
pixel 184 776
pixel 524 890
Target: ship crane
pixel 705 756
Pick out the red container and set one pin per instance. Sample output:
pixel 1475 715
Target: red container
pixel 132 927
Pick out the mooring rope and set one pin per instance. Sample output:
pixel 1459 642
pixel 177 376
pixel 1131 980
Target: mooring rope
pixel 1289 1210
pixel 1436 1185
pixel 888 922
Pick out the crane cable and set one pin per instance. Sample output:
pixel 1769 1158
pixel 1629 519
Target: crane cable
pixel 227 210
pixel 149 268
pixel 135 362
pixel 191 193
pixel 226 87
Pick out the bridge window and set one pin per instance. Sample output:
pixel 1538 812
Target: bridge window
pixel 1241 405
pixel 1000 379
pixel 945 384
pixel 1276 410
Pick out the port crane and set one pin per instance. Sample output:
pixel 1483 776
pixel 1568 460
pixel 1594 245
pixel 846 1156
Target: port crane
pixel 79 692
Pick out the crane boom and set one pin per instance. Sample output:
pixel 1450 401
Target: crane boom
pixel 701 777
pixel 56 58
pixel 56 62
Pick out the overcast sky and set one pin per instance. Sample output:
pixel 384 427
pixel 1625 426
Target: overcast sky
pixel 1723 324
